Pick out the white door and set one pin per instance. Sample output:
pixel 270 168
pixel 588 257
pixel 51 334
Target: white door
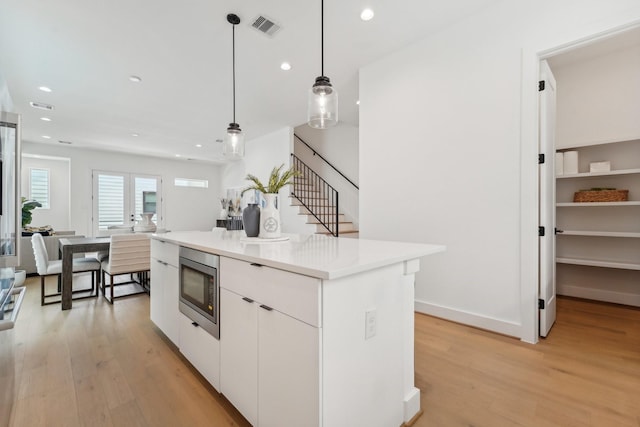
pixel 119 199
pixel 547 202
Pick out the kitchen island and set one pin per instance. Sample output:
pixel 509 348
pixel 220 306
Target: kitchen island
pixel 314 330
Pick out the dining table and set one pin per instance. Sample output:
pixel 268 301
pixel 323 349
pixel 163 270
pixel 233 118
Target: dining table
pixel 70 246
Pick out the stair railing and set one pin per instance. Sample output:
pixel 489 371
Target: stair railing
pixel 316 195
pixel 315 153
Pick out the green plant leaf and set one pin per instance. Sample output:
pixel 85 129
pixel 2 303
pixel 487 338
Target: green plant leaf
pixel 277 180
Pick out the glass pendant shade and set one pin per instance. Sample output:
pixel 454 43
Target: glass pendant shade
pixel 233 147
pixel 322 111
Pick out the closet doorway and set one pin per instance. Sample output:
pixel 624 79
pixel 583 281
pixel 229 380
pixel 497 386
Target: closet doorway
pixel 596 163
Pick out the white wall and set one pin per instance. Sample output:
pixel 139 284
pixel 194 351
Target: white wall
pixel 57 215
pixel 184 208
pixel 446 129
pixel 339 145
pixel 6 103
pixel 599 99
pixel 261 156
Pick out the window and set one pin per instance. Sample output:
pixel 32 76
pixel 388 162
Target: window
pixel 110 201
pixel 187 182
pixel 39 186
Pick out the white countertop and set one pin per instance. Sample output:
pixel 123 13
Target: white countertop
pixel 314 255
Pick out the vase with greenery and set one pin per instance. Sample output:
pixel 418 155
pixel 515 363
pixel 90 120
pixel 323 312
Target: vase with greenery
pixel 270 215
pixel 27 207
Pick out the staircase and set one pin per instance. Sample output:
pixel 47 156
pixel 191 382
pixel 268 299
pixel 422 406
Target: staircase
pixel 319 202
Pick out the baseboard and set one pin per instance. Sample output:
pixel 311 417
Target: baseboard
pixel 599 295
pixel 471 319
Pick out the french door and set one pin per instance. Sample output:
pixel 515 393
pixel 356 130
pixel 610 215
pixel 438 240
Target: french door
pixel 119 199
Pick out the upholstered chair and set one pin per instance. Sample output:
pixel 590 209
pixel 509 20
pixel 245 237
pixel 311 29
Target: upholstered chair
pixel 47 267
pixel 128 254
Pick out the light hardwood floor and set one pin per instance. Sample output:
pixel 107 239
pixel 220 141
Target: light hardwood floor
pixel 103 365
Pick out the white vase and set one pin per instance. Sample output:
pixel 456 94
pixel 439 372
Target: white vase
pixel 270 218
pixel 145 224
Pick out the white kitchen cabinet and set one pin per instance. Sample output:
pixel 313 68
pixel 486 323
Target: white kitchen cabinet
pixel 270 361
pixel 165 288
pixel 201 349
pixel 239 353
pixel 598 250
pixel 288 371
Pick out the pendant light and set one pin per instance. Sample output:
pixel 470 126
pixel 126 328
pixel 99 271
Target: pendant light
pixel 322 111
pixel 233 147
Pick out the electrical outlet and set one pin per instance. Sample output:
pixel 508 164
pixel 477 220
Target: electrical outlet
pixel 371 326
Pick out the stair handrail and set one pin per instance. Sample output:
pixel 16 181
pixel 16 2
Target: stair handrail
pixel 315 153
pixel 326 213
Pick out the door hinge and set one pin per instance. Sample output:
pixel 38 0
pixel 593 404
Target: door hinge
pixel 541 304
pixel 540 158
pixel 540 85
pixel 540 231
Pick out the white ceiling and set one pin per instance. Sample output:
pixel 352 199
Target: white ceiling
pixel 85 50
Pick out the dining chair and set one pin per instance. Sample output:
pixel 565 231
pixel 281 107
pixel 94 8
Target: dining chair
pixel 110 231
pixel 128 254
pixel 46 267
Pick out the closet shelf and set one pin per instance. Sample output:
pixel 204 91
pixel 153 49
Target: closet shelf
pixel 608 173
pixel 598 263
pixel 596 204
pixel 600 233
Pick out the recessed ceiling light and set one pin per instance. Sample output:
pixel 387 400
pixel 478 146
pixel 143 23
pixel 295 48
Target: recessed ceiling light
pixel 45 89
pixel 199 145
pixel 46 119
pixel 135 134
pixel 358 102
pixel 178 155
pixel 46 136
pixel 366 15
pixel 285 66
pixel 135 79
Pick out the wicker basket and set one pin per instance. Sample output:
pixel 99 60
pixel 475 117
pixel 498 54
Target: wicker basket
pixel 601 196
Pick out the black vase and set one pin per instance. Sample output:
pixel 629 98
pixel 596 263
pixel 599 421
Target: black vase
pixel 251 220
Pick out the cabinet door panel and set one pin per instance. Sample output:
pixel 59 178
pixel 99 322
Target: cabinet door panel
pixel 156 296
pixel 201 349
pixel 170 302
pixel 239 353
pixel 288 371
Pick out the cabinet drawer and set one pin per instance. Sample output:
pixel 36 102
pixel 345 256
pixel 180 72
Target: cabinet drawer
pixel 165 251
pixel 293 294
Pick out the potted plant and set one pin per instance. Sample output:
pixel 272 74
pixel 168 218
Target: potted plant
pixel 27 207
pixel 269 217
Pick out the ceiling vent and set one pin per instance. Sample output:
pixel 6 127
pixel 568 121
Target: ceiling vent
pixel 41 106
pixel 265 25
pixel 65 142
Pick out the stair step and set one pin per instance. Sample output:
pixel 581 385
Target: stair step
pixel 352 234
pixel 304 211
pixel 313 220
pixel 342 227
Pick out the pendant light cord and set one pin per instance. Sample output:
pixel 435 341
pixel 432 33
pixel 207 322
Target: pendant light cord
pixel 322 37
pixel 233 61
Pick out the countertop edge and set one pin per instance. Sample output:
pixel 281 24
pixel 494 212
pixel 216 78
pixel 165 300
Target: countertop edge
pixel 420 250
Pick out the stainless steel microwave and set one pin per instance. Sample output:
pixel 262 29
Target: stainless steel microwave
pixel 199 289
